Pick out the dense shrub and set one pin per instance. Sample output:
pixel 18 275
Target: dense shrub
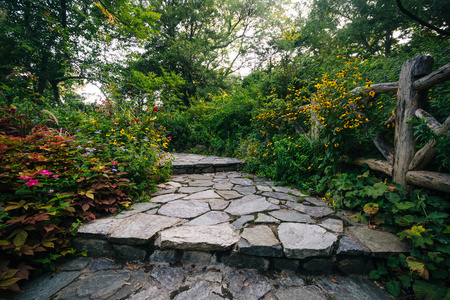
pixel 54 179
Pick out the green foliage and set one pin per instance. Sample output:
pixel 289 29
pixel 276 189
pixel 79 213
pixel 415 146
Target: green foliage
pixel 420 219
pixel 216 126
pixel 286 159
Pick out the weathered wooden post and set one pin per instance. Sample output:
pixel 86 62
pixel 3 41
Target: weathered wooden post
pixel 408 101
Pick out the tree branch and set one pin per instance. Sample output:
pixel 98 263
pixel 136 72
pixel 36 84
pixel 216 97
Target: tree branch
pixel 420 21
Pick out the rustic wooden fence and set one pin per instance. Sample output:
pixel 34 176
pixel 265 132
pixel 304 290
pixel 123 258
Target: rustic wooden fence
pixel 402 160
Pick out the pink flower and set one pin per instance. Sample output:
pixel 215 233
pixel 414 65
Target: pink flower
pixel 51 191
pixel 56 176
pixel 114 163
pixel 32 183
pixel 45 172
pixel 25 178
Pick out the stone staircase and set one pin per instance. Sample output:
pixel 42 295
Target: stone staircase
pixel 240 220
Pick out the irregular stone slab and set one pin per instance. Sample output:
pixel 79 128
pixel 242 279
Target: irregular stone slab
pixel 314 211
pixel 163 257
pixel 348 246
pixel 178 178
pixel 197 258
pixel 247 284
pixel 223 185
pixel 99 228
pixel 78 264
pixel 242 221
pixel 283 189
pixel 333 225
pixel 52 283
pixel 210 218
pixel 379 242
pixel 308 292
pixel 209 194
pixel 207 276
pixel 200 238
pixel 303 240
pixel 169 185
pixel 140 228
pixel 245 190
pixel 101 264
pixel 136 208
pixel 315 201
pixel 173 184
pixel 167 198
pixel 263 218
pixel 249 205
pixel 280 196
pixel 291 216
pixel 218 204
pixel 200 177
pixel 184 208
pixel 191 189
pixel 164 192
pixel 234 175
pixel 289 280
pixel 273 201
pixel 201 183
pixel 169 277
pixel 152 292
pixel 260 241
pixel 353 287
pixel 264 188
pixel 229 194
pixel 202 290
pixel 93 286
pixel 242 181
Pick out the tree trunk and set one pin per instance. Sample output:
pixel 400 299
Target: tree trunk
pixel 408 101
pixel 388 43
pixel 55 89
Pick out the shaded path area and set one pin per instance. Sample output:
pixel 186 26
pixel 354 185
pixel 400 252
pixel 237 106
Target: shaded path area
pixel 222 235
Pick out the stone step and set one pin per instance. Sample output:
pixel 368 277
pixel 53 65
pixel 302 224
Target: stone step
pixel 186 163
pixel 266 229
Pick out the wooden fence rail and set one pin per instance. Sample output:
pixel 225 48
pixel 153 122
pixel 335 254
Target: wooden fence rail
pixel 403 162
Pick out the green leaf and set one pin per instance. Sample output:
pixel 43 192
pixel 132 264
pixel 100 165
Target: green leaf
pixel 392 197
pixel 393 262
pixel 437 215
pixel 404 205
pixel 404 220
pixel 443 248
pixel 20 238
pixel 374 275
pixel 406 280
pixel 393 288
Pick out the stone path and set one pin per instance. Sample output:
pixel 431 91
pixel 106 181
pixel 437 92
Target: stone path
pixel 224 235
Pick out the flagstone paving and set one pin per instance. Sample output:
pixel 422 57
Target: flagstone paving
pixel 243 231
